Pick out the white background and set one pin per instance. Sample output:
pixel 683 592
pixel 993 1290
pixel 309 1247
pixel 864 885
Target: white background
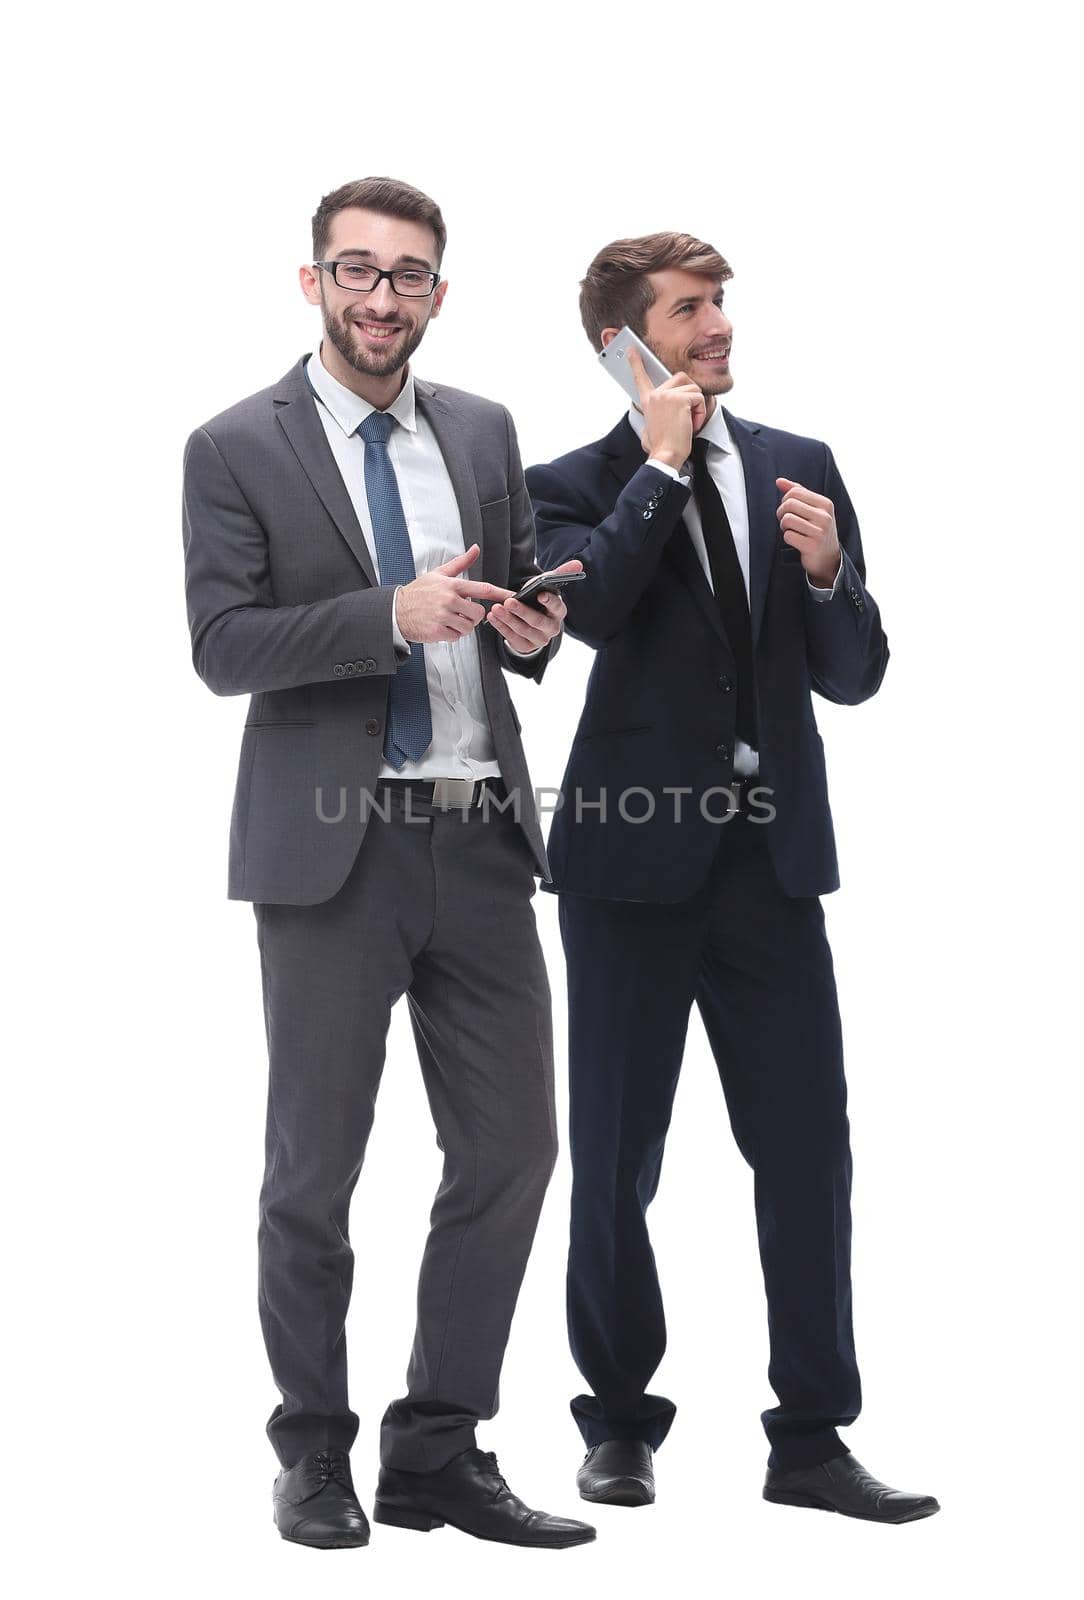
pixel 895 194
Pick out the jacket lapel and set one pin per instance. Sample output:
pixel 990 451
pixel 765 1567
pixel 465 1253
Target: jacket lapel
pixel 625 451
pixel 449 434
pixel 762 498
pixel 681 554
pixel 295 406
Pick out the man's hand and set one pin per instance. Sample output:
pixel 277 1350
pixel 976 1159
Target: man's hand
pixel 808 522
pixel 525 628
pixel 441 606
pixel 672 413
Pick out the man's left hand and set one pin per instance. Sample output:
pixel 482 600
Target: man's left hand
pixel 808 521
pixel 525 628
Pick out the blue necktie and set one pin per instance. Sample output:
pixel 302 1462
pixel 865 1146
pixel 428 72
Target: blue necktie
pixel 410 725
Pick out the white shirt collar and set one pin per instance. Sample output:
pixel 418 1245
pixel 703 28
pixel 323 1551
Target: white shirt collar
pixel 348 408
pixel 715 430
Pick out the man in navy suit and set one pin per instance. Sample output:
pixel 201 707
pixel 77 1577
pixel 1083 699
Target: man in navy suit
pixel 725 583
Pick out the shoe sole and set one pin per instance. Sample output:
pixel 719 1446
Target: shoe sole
pixel 628 1492
pixel 423 1522
pixel 325 1544
pixel 781 1498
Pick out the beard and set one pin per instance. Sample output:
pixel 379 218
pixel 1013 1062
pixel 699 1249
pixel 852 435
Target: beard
pixel 372 363
pixel 711 383
pixel 722 383
pixel 682 360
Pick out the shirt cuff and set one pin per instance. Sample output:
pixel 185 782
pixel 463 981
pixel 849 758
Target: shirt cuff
pixel 396 631
pixel 826 594
pixel 527 655
pixel 671 472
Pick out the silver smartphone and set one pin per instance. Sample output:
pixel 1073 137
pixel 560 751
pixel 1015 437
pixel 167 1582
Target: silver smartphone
pixel 615 359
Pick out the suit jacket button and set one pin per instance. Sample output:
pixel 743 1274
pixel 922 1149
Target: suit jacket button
pixel 368 665
pixel 338 669
pixel 722 752
pixel 373 725
pixel 349 668
pixel 724 683
pixel 648 514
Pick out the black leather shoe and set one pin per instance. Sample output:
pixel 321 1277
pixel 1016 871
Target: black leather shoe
pixel 844 1485
pixel 617 1472
pixel 470 1494
pixel 315 1503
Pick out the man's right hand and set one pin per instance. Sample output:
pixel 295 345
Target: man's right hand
pixel 672 413
pixel 441 606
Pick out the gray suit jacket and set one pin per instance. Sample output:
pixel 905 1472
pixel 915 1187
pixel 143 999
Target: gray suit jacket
pixel 284 605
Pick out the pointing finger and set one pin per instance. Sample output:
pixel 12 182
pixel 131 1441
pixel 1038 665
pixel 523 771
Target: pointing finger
pixel 482 591
pixel 460 564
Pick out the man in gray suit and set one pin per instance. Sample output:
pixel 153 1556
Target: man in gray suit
pixel 385 830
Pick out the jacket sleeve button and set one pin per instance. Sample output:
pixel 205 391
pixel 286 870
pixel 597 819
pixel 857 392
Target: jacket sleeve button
pixel 373 725
pixel 338 669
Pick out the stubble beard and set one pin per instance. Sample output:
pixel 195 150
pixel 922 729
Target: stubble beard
pixel 372 363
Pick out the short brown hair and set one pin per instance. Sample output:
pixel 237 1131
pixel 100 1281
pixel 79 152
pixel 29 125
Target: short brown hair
pixel 387 196
pixel 616 291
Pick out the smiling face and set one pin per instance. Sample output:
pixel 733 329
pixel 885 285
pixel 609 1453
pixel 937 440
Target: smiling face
pixel 688 329
pixel 374 333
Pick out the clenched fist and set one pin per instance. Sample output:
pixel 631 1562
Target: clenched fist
pixel 808 521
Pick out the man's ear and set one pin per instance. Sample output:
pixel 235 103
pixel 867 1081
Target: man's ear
pixel 438 298
pixel 310 284
pixel 608 334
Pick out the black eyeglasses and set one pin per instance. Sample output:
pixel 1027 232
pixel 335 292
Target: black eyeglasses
pixel 362 279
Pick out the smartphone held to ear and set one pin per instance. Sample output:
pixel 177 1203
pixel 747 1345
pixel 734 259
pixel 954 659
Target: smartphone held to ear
pixel 546 583
pixel 615 360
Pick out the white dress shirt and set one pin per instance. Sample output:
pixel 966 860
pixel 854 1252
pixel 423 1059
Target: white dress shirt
pixel 462 743
pixel 724 465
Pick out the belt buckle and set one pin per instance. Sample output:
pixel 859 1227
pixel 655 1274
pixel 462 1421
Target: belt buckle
pixel 739 792
pixel 453 793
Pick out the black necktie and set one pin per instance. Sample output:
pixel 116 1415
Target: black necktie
pixel 729 586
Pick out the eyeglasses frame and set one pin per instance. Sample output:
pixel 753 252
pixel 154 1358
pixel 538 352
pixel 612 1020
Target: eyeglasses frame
pixel 381 273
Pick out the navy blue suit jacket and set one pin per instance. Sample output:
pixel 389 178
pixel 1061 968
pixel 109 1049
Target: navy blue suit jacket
pixel 660 708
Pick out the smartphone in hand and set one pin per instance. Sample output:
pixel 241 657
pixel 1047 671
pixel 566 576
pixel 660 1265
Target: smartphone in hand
pixel 546 583
pixel 615 360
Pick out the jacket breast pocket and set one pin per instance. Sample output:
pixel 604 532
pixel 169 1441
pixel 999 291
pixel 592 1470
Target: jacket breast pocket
pixel 281 722
pixel 613 733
